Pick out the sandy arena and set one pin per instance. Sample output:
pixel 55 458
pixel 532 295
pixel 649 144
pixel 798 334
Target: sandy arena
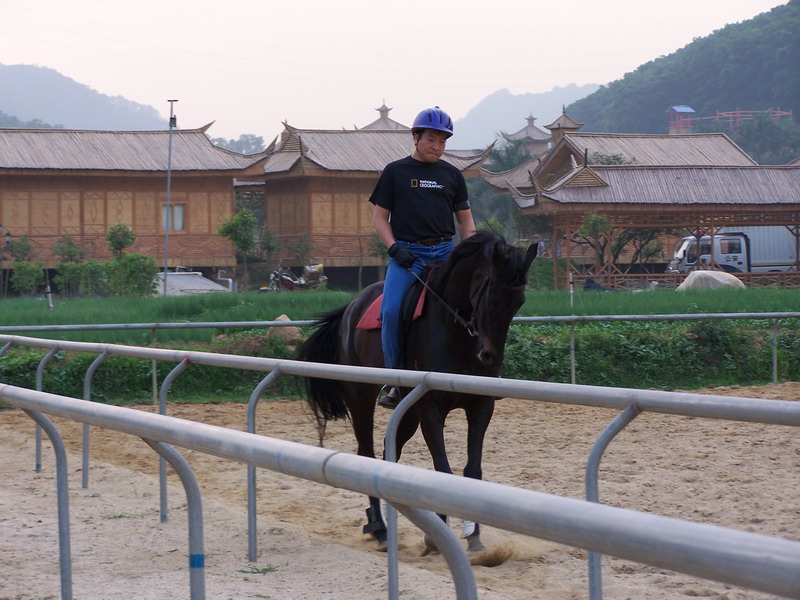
pixel 739 475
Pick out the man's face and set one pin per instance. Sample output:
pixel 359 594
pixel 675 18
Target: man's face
pixel 430 145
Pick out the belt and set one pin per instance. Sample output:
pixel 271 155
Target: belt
pixel 432 241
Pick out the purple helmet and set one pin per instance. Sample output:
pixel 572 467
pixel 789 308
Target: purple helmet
pixel 433 118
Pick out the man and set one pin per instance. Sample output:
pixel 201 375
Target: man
pixel 415 200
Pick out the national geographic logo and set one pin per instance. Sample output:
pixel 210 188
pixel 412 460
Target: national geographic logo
pixel 426 183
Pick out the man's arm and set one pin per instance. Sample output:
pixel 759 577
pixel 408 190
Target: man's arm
pixel 466 225
pixel 380 221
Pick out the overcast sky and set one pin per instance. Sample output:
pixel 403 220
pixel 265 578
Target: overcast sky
pixel 251 64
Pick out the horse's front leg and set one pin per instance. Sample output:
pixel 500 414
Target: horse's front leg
pixel 432 425
pixel 479 414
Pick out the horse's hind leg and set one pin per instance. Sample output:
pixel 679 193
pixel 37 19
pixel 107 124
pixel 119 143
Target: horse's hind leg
pixel 362 413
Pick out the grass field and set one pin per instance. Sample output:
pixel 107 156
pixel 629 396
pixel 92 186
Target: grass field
pixel 665 354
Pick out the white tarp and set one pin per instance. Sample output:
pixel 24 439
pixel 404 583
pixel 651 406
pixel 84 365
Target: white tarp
pixel 706 280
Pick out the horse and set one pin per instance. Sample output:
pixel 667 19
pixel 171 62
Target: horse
pixel 473 296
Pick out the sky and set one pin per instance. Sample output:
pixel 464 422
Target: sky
pixel 250 65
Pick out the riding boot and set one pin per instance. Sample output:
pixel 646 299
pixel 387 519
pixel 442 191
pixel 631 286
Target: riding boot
pixel 389 400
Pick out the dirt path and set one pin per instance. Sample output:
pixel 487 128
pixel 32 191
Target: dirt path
pixel 744 476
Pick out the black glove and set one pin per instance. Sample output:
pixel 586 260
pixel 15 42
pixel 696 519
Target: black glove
pixel 402 256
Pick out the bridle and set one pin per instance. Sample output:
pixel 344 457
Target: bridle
pixel 475 300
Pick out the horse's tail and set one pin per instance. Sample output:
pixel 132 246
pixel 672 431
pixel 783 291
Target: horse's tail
pixel 326 396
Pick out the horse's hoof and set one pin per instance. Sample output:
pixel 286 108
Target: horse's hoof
pixel 474 545
pixel 430 547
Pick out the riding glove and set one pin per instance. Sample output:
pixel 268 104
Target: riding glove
pixel 402 256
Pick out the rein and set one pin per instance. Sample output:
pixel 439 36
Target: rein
pixel 468 325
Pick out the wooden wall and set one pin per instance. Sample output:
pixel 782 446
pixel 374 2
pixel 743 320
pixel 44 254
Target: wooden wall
pixel 47 208
pixel 334 212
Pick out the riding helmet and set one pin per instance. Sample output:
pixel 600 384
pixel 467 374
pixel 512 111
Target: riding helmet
pixel 433 118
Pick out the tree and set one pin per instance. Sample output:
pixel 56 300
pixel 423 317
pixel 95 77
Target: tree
pixel 132 275
pixel 68 250
pixel 27 277
pixel 120 237
pixel 488 205
pixel 242 230
pixel 301 249
pixel 246 144
pixel 596 231
pixel 767 140
pixel 20 250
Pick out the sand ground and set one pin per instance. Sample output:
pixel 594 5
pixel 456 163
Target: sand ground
pixel 739 475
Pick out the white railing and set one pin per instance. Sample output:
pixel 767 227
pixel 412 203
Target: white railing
pixel 755 561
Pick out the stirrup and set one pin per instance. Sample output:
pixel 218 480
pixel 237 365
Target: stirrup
pixel 390 399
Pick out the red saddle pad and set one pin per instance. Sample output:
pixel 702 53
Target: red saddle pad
pixel 371 319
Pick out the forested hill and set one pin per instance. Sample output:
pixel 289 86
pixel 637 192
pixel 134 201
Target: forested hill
pixel 752 65
pixel 34 96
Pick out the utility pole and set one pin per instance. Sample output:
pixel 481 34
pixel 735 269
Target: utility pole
pixel 168 210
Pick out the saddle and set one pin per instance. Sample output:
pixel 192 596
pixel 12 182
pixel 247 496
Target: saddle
pixel 413 304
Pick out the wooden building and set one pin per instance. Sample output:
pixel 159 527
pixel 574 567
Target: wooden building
pixel 689 183
pixel 56 183
pixel 317 185
pixel 534 140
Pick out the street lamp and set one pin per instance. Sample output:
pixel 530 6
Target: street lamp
pixel 168 216
pixel 3 274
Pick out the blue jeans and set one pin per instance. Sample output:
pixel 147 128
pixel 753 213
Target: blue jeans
pixel 397 282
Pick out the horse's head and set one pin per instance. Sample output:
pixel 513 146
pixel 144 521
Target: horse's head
pixel 495 278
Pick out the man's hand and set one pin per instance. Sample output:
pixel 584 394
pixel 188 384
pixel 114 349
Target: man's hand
pixel 402 256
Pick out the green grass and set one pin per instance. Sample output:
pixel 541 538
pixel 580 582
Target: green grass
pixel 660 354
pixel 551 303
pixel 249 306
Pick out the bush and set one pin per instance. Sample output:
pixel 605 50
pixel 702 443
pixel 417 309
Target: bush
pixel 684 354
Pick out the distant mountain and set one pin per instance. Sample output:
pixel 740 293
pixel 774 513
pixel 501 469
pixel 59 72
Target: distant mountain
pixel 507 112
pixel 32 93
pixel 752 65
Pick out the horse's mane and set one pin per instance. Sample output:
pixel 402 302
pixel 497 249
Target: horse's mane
pixel 483 244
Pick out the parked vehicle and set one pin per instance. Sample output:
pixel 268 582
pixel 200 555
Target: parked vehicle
pixel 737 250
pixel 284 279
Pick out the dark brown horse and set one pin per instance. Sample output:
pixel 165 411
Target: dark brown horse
pixel 483 282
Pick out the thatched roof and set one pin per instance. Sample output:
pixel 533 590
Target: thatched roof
pixel 673 185
pixel 384 121
pixel 130 151
pixel 351 150
pixel 650 149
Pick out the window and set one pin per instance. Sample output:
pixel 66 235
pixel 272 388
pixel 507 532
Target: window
pixel 730 246
pixel 174 221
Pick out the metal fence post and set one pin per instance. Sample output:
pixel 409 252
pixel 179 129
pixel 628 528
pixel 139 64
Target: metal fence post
pixel 62 500
pixel 252 529
pixel 194 504
pixel 593 491
pixel 87 395
pixel 39 387
pixel 162 410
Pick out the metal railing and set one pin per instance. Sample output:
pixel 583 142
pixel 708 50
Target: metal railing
pixel 782 556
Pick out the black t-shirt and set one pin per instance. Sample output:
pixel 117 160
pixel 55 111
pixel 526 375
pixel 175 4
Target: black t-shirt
pixel 421 197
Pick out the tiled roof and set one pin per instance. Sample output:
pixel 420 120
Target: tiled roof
pixel 72 150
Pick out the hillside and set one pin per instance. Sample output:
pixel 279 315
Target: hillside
pixel 32 93
pixel 504 111
pixel 750 65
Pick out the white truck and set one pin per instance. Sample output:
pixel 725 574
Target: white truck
pixel 738 250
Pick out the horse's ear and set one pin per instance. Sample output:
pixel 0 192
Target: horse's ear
pixel 533 250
